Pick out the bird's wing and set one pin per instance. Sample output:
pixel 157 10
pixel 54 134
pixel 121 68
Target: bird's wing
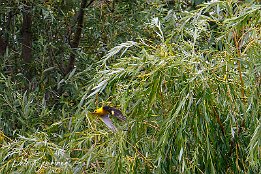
pixel 117 113
pixel 108 122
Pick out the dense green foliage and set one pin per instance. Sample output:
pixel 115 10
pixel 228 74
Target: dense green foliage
pixel 186 75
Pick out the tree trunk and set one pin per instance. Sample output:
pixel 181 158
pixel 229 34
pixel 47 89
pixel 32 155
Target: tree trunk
pixel 27 35
pixel 3 45
pixel 76 40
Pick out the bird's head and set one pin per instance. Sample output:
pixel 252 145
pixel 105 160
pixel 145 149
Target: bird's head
pixel 100 111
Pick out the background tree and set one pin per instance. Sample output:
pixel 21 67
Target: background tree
pixel 186 74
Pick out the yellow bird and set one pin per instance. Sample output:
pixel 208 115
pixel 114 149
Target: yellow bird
pixel 105 111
